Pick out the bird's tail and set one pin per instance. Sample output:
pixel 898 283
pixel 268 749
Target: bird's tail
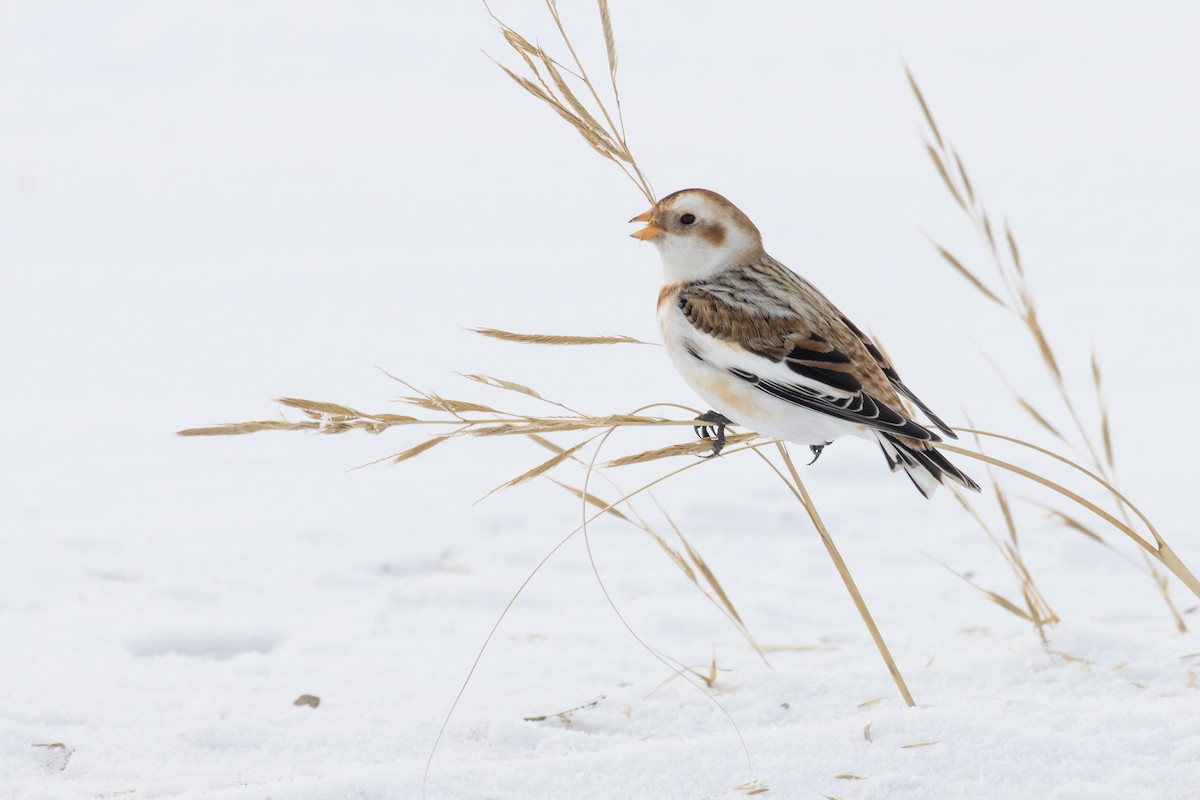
pixel 924 465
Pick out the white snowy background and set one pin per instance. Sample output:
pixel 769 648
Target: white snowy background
pixel 204 206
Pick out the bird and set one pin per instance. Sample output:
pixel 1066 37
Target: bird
pixel 766 348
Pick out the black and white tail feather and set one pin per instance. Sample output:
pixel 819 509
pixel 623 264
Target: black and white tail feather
pixel 923 464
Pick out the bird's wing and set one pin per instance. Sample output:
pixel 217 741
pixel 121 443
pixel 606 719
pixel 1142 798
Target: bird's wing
pixel 893 378
pixel 822 367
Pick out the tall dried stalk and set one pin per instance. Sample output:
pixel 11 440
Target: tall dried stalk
pixel 1016 296
pixel 844 573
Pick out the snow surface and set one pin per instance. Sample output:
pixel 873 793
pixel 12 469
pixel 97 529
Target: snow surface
pixel 207 205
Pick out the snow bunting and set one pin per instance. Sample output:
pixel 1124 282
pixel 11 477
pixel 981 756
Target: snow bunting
pixel 763 346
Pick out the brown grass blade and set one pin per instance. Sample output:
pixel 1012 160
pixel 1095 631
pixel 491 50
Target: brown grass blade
pixel 524 49
pixel 317 408
pixel 987 230
pixel 539 92
pixel 966 273
pixel 697 447
pixel 941 168
pixel 919 744
pixel 239 428
pixel 603 146
pixel 996 598
pixel 678 558
pixel 710 578
pixel 962 174
pixel 970 509
pixel 1068 521
pixel 912 82
pixel 528 426
pixel 607 139
pixel 533 428
pixel 413 452
pixel 396 419
pixel 800 491
pixel 1043 344
pixel 497 383
pixel 543 338
pixel 1005 510
pixel 721 600
pixel 540 469
pixel 1106 437
pixel 1033 412
pixel 1012 248
pixel 610 42
pixel 520 44
pixel 435 402
pixel 584 116
pixel 589 497
pixel 1105 430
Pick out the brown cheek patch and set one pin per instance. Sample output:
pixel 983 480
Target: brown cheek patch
pixel 713 234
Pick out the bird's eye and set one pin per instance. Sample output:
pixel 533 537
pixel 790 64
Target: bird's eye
pixel 688 219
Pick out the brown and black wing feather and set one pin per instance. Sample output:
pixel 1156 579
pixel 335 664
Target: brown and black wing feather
pixel 842 378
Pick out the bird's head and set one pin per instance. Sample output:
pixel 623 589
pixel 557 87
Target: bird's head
pixel 698 233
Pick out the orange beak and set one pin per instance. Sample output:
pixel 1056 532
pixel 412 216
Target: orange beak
pixel 650 231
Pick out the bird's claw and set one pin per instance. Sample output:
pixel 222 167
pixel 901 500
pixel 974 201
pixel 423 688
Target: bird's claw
pixel 714 430
pixel 817 449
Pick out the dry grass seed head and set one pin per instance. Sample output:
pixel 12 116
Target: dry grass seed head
pixel 553 339
pixel 697 447
pixel 315 408
pixel 540 469
pixel 413 452
pixel 1037 416
pixel 239 428
pixel 970 276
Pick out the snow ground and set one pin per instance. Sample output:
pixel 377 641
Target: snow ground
pixel 207 205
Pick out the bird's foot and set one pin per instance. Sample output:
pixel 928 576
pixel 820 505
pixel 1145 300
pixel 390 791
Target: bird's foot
pixel 817 449
pixel 714 430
